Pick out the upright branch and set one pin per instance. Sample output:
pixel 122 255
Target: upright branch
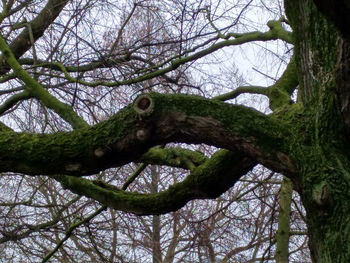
pixel 283 232
pixel 279 94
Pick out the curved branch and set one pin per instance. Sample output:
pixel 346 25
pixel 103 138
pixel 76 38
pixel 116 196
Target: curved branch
pixel 129 134
pixel 13 100
pixel 221 171
pixel 242 90
pixel 175 157
pixel 279 93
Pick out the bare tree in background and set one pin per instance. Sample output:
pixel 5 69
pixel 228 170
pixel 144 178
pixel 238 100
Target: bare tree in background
pixel 105 141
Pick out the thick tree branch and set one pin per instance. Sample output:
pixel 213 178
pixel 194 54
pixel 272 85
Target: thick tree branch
pixel 221 171
pixel 280 93
pixel 283 232
pixel 338 13
pixel 153 119
pixel 5 128
pixel 175 157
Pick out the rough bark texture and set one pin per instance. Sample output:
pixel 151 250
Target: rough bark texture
pixel 222 170
pixel 306 141
pixel 129 134
pixel 322 58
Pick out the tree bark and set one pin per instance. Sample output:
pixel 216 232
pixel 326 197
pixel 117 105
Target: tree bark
pixel 306 141
pixel 323 159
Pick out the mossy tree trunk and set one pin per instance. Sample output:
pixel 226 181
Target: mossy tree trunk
pixel 308 141
pixel 322 56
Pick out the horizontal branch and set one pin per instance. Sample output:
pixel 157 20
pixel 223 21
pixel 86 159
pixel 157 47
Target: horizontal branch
pixel 153 119
pixel 242 90
pixel 175 157
pixel 222 171
pixel 231 39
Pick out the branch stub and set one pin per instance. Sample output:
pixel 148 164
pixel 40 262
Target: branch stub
pixel 144 105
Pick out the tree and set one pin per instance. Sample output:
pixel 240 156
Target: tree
pixel 306 140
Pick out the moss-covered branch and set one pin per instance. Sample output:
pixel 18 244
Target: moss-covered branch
pixel 222 170
pixel 38 25
pixel 34 89
pixel 276 32
pixel 279 94
pixel 231 39
pixel 176 157
pixel 13 100
pixel 128 135
pixel 5 128
pixel 242 90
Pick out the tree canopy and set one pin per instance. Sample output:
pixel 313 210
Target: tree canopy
pixel 95 91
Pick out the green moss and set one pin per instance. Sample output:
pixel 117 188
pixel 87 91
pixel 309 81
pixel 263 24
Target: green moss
pixel 316 48
pixel 282 237
pixel 278 98
pixel 216 171
pixel 222 170
pixel 244 121
pixel 176 157
pixel 50 153
pixel 36 90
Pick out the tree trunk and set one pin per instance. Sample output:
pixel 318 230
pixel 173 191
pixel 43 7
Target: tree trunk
pixel 322 60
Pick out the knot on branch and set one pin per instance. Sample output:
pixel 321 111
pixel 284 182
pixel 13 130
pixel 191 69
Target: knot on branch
pixel 142 135
pixel 144 105
pixel 99 152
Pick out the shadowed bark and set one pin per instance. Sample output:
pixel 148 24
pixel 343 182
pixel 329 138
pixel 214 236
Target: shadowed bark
pixel 152 120
pixel 306 140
